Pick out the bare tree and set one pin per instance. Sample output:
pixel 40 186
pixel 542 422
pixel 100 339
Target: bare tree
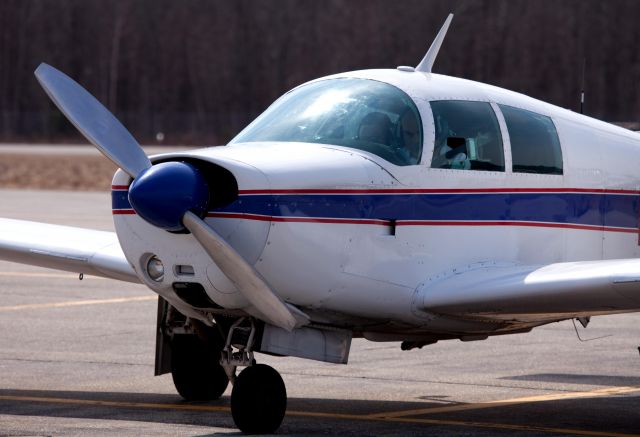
pixel 199 70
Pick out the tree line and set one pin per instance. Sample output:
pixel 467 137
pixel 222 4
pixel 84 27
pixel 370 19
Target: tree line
pixel 197 71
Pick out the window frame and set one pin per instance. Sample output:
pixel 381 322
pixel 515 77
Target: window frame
pixel 507 134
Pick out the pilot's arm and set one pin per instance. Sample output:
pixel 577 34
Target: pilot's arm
pixel 447 159
pixel 460 162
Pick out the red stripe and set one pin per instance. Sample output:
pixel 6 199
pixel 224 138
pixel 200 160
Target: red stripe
pixel 422 222
pixel 263 218
pixel 426 190
pixel 300 219
pixel 404 223
pixel 441 191
pixel 329 220
pixel 516 223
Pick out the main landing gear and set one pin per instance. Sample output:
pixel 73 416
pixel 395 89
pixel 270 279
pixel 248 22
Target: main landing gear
pixel 195 368
pixel 202 365
pixel 259 396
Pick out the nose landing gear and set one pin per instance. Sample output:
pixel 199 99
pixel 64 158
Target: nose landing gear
pixel 258 400
pixel 259 396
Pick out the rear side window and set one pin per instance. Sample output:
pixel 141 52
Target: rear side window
pixel 467 136
pixel 535 146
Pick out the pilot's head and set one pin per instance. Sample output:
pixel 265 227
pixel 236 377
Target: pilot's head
pixel 410 134
pixel 375 127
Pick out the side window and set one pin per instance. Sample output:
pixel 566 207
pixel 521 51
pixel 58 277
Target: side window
pixel 534 142
pixel 467 136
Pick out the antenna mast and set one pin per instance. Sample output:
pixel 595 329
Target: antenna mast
pixel 584 67
pixel 427 62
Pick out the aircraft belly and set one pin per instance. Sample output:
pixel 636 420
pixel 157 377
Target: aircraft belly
pixel 629 288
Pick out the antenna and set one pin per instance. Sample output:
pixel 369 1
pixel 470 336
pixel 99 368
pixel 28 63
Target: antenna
pixel 584 67
pixel 427 62
pixel 584 322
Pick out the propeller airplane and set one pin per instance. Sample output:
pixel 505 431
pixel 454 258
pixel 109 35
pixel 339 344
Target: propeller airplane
pixel 394 205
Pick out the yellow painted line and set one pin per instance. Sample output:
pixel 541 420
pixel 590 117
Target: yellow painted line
pixel 147 405
pixel 609 391
pixel 368 418
pixel 512 427
pixel 72 303
pixel 471 424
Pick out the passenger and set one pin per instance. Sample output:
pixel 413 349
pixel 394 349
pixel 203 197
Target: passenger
pixel 452 153
pixel 449 150
pixel 457 156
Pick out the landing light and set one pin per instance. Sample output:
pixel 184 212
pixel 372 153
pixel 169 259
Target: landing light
pixel 155 268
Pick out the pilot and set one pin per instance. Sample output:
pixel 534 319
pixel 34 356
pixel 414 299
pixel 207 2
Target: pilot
pixel 410 137
pixel 375 127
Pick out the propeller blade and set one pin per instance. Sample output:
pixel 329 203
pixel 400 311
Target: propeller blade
pixel 115 142
pixel 250 283
pixel 93 120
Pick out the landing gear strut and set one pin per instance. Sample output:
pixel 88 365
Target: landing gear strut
pixel 259 396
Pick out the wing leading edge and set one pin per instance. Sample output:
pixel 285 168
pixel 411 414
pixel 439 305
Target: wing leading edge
pixel 66 248
pixel 536 293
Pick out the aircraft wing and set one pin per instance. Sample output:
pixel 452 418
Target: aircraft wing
pixel 536 293
pixel 67 248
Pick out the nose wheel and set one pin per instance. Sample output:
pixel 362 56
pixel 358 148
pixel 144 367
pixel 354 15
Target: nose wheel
pixel 258 400
pixel 259 397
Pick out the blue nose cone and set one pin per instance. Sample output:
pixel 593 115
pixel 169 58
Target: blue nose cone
pixel 162 194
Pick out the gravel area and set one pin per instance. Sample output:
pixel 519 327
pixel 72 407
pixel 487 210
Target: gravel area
pixel 76 168
pixel 59 172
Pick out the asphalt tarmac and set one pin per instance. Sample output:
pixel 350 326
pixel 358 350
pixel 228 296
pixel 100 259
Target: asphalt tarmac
pixel 76 358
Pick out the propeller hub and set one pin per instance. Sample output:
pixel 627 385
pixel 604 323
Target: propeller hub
pixel 163 193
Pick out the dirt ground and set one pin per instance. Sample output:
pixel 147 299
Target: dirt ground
pixel 61 167
pixel 56 172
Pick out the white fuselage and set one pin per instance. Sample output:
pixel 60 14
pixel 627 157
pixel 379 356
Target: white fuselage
pixel 350 237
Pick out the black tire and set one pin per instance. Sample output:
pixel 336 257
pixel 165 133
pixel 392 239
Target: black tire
pixel 196 370
pixel 258 400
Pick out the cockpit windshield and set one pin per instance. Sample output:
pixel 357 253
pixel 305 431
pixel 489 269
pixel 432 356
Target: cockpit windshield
pixel 362 114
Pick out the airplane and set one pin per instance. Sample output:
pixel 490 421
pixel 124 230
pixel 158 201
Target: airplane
pixel 395 205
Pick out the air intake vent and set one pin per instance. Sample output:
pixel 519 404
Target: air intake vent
pixel 194 294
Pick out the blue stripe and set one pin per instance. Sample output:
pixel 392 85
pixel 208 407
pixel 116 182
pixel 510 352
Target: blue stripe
pixel 591 209
pixel 120 199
